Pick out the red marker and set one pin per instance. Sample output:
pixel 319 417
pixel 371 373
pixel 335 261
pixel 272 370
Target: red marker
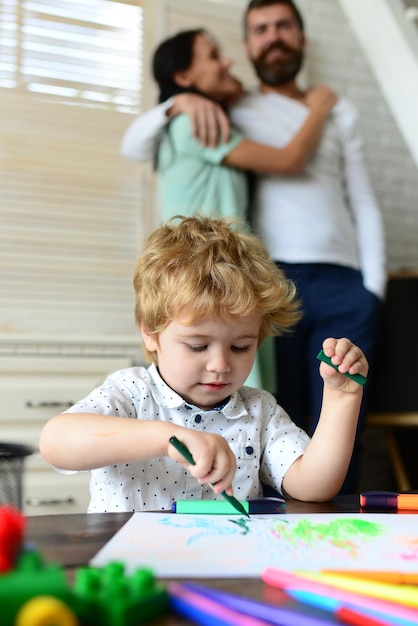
pixel 348 616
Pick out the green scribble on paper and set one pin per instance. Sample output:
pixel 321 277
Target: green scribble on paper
pixel 242 522
pixel 346 533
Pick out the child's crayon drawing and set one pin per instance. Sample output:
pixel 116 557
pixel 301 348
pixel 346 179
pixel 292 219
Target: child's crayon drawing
pixel 346 536
pixel 222 545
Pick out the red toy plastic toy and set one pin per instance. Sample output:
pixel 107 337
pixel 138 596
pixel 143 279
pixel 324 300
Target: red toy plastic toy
pixel 12 526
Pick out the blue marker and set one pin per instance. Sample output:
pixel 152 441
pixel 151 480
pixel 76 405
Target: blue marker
pixel 258 610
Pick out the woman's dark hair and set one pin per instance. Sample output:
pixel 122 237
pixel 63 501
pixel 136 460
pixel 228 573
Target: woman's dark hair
pixel 173 55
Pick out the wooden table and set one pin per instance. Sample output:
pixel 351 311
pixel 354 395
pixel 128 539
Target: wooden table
pixel 72 540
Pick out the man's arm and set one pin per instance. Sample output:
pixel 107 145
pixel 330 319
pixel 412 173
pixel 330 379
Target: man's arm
pixel 140 139
pixel 208 120
pixel 209 124
pixel 363 202
pixel 291 158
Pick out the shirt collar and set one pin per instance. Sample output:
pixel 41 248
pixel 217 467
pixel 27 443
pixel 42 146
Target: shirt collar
pixel 169 399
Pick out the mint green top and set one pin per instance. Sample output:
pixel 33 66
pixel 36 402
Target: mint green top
pixel 192 179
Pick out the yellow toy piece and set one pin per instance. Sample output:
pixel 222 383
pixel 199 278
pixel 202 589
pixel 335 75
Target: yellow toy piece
pixel 45 611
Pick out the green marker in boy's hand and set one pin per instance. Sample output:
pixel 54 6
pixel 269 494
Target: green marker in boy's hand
pixel 180 447
pixel 358 378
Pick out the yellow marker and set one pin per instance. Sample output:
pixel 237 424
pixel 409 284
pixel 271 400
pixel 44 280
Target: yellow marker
pixel 402 594
pixel 395 578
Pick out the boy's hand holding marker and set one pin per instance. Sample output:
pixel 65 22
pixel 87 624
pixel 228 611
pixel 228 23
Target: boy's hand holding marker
pixel 185 453
pixel 345 358
pixel 209 458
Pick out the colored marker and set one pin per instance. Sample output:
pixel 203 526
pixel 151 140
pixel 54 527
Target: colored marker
pixel 288 581
pixel 358 378
pixel 394 578
pixel 206 611
pixel 389 500
pixel 348 616
pixel 256 506
pixel 267 613
pixel 403 594
pixel 180 447
pixel 331 605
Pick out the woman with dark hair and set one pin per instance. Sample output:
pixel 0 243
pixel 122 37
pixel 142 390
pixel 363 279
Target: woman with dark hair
pixel 213 179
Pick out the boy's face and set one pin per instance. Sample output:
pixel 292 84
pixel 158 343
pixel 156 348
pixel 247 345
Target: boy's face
pixel 207 361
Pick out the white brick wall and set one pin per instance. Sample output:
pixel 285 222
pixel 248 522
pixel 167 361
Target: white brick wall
pixel 334 57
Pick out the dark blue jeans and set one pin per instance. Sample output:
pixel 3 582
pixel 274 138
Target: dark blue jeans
pixel 335 304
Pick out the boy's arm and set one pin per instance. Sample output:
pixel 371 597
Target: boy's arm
pixel 318 474
pixel 209 124
pixel 86 441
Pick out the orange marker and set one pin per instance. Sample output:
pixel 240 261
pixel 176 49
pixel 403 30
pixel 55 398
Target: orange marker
pixel 389 500
pixel 395 578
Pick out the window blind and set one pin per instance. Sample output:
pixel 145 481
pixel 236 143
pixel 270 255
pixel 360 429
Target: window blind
pixel 73 211
pixel 70 205
pixel 73 50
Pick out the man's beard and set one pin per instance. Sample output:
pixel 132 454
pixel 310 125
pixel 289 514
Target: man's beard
pixel 279 71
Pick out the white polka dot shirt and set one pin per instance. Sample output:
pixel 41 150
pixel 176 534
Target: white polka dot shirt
pixel 260 433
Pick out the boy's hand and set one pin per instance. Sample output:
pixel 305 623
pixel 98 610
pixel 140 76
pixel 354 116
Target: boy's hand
pixel 349 358
pixel 209 122
pixel 215 463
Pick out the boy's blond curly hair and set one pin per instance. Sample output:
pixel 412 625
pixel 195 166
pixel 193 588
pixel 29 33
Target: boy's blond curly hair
pixel 202 267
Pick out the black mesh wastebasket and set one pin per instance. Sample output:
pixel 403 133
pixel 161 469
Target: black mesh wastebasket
pixel 12 457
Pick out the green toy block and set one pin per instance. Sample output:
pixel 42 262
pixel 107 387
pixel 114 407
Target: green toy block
pixel 107 597
pixel 31 577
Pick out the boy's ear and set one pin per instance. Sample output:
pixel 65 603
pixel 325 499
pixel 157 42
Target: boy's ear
pixel 150 339
pixel 182 78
